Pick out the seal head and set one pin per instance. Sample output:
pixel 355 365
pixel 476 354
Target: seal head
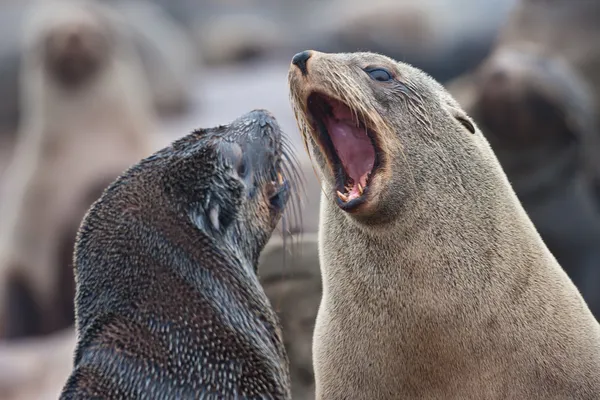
pixel 168 302
pixel 76 47
pixel 357 134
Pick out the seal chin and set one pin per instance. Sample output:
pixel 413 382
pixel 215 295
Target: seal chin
pixel 350 148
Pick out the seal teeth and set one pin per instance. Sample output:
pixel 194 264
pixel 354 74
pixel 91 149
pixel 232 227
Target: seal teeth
pixel 343 197
pixel 280 178
pixel 360 189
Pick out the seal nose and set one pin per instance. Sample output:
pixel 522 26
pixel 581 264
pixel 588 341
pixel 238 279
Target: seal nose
pixel 300 60
pixel 263 117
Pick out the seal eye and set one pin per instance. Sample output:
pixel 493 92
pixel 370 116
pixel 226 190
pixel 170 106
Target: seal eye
pixel 242 168
pixel 379 74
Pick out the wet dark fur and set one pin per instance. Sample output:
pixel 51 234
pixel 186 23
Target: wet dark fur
pixel 168 304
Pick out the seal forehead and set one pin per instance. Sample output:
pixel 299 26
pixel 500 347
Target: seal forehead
pixel 360 61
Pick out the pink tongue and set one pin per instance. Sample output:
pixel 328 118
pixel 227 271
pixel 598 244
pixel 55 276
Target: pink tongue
pixel 353 147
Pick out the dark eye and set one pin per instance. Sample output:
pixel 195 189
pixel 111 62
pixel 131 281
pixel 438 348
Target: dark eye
pixel 242 168
pixel 379 74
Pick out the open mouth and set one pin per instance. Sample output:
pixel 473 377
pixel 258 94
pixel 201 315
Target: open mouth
pixel 350 146
pixel 278 192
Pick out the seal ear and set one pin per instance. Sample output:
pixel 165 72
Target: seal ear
pixel 462 117
pixel 217 214
pixel 464 120
pixel 213 216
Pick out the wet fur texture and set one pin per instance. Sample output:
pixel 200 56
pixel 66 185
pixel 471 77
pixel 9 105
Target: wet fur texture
pixel 81 128
pixel 168 301
pixel 440 287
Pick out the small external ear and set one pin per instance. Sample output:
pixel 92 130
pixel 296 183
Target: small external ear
pixel 462 117
pixel 216 217
pixel 213 216
pixel 464 120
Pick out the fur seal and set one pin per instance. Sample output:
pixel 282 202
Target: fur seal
pixel 435 282
pixel 168 301
pixel 166 49
pixel 87 117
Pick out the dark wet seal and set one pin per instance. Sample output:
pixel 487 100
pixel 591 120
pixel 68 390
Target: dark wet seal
pixel 168 300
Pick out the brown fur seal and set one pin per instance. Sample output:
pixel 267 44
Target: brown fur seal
pixel 88 117
pixel 436 284
pixel 168 301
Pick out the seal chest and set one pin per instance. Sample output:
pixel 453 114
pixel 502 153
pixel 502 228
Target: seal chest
pixel 435 282
pixel 168 302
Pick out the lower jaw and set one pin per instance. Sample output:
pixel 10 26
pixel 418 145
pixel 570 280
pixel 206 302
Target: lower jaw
pixel 349 205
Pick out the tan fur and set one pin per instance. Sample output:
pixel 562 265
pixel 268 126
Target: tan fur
pixel 69 142
pixel 439 287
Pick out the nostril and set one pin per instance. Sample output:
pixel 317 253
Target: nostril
pixel 263 117
pixel 300 60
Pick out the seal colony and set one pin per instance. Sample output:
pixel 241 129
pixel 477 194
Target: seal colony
pixel 168 301
pixel 87 117
pixel 435 282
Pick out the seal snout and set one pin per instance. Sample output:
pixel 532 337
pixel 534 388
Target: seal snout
pixel 300 60
pixel 74 53
pixel 264 149
pixel 263 132
pixel 263 117
pixel 521 99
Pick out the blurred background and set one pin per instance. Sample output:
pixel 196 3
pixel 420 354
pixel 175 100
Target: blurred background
pixel 88 88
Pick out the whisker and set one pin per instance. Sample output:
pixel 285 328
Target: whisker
pixel 294 210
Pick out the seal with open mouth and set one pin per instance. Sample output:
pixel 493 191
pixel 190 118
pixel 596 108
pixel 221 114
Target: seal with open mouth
pixel 436 285
pixel 168 302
